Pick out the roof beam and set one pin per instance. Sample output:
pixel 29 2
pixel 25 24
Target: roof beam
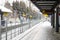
pixel 45 4
pixel 45 1
pixel 56 3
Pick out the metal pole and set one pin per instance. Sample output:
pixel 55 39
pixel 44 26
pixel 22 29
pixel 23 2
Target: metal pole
pixel 0 23
pixel 0 27
pixel 53 19
pixel 15 20
pixel 6 29
pixel 29 22
pixel 29 12
pixel 21 28
pixel 22 20
pixel 57 21
pixel 11 31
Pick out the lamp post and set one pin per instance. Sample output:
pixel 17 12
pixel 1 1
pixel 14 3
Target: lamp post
pixel 21 19
pixel 1 14
pixel 29 12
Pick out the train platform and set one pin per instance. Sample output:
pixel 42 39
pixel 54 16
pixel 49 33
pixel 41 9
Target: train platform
pixel 41 31
pixel 30 20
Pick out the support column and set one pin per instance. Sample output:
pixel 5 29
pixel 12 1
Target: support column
pixel 57 20
pixel 52 19
pixel 1 15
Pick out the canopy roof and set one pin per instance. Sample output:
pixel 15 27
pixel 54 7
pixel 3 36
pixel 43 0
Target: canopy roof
pixel 4 9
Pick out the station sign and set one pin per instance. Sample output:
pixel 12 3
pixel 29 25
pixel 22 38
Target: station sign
pixel 5 14
pixel 24 14
pixel 46 15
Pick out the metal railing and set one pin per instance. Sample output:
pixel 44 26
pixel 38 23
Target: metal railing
pixel 9 30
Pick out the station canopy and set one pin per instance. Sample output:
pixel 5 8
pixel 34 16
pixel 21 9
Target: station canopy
pixel 47 5
pixel 4 9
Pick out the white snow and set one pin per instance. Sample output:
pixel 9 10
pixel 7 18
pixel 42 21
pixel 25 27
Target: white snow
pixel 4 9
pixel 46 23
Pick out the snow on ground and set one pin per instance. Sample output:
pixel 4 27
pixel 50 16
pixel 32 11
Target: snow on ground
pixel 46 23
pixel 24 35
pixel 41 31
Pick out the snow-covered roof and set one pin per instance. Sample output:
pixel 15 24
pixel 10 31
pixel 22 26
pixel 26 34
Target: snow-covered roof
pixel 4 9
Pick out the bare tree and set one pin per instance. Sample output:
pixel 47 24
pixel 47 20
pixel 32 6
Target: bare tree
pixel 16 5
